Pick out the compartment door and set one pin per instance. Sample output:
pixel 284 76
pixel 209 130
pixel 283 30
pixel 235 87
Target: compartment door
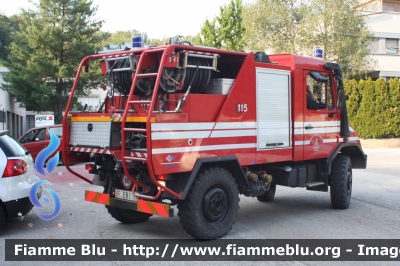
pixel 273 109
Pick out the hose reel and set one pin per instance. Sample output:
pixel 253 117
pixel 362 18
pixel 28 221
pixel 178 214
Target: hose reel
pixel 173 80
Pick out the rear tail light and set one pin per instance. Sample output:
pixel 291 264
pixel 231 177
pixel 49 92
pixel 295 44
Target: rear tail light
pixel 15 167
pixel 163 177
pixel 89 167
pixel 92 168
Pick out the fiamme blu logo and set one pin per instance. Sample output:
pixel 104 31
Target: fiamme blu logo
pixel 46 171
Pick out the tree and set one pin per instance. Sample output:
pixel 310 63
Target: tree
pixel 226 31
pixel 276 25
pixel 8 27
pixel 297 26
pixel 5 40
pixel 340 28
pixel 365 124
pixel 394 109
pixel 373 107
pixel 381 105
pixel 46 53
pixel 353 100
pixel 209 34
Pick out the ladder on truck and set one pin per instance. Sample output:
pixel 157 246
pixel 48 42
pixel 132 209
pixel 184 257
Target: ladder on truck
pixel 143 155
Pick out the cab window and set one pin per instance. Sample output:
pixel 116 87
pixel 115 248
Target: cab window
pixel 319 91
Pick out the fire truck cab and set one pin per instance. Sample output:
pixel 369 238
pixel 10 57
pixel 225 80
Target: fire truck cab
pixel 196 127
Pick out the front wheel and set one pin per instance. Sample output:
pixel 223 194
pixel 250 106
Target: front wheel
pixel 341 181
pixel 211 206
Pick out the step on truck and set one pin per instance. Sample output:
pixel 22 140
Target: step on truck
pixel 197 127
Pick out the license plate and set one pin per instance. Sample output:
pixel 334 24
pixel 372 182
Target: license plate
pixel 125 194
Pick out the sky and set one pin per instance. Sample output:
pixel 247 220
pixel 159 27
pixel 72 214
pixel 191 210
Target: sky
pixel 157 18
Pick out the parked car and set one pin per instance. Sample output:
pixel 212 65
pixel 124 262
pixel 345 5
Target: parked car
pixel 36 139
pixel 17 177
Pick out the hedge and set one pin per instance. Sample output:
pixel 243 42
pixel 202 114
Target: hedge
pixel 374 107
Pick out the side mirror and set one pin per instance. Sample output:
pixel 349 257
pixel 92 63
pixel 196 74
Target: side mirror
pixel 339 99
pixel 36 139
pixel 318 76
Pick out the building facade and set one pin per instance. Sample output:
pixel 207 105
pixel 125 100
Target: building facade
pixel 12 113
pixel 383 18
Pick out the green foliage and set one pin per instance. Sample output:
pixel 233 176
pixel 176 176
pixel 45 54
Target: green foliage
pixel 381 106
pixel 394 107
pixel 276 25
pixel 226 31
pixel 297 26
pixel 5 39
pixel 373 107
pixel 8 27
pixel 231 28
pixel 365 123
pixel 209 34
pixel 46 52
pixel 354 99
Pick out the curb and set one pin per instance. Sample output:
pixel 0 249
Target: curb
pixel 380 143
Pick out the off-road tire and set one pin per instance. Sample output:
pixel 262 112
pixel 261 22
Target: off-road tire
pixel 341 180
pixel 2 215
pixel 211 206
pixel 269 195
pixel 126 216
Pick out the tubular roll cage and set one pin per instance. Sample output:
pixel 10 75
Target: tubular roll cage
pixel 135 76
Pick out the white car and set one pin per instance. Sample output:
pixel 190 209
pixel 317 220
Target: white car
pixel 18 175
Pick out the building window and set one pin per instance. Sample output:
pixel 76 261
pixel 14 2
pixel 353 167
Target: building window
pixel 388 7
pixel 375 5
pixel 392 46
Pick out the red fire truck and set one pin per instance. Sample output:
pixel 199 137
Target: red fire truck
pixel 196 127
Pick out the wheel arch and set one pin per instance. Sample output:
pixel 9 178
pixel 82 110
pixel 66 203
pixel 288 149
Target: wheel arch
pixel 229 163
pixel 357 156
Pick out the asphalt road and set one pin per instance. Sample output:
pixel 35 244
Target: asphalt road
pixel 374 213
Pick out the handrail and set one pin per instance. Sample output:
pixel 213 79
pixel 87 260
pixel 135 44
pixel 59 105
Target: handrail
pixel 66 124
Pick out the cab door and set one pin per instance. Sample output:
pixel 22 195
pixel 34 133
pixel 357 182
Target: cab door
pixel 321 123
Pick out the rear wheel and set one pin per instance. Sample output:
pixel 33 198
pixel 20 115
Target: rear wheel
pixel 210 208
pixel 341 181
pixel 269 195
pixel 126 216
